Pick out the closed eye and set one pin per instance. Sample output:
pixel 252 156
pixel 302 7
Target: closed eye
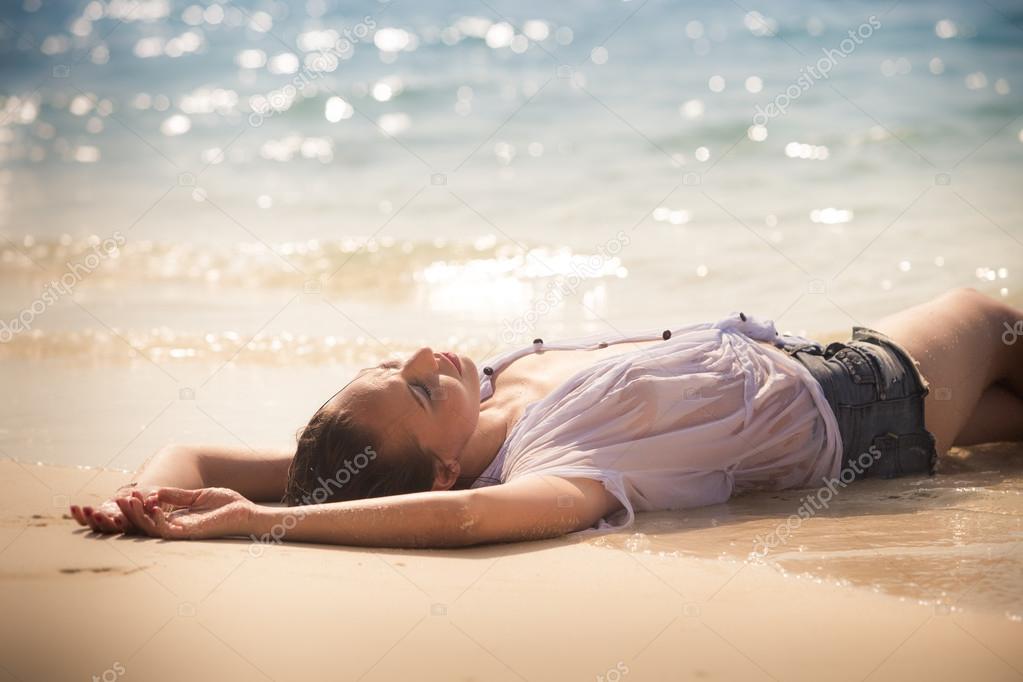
pixel 422 397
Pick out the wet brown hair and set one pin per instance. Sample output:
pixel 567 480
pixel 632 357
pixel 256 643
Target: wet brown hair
pixel 337 459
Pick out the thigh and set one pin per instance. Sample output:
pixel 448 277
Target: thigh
pixel 956 344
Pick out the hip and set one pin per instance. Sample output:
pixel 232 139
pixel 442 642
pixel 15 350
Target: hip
pixel 877 394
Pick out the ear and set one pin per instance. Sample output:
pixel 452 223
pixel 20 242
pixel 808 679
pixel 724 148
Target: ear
pixel 445 474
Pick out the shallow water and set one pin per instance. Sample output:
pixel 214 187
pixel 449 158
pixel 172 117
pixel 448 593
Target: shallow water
pixel 485 177
pixel 951 541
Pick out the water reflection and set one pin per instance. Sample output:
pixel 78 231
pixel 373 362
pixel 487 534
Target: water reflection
pixel 953 539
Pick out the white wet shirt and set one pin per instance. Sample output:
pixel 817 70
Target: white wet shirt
pixel 685 422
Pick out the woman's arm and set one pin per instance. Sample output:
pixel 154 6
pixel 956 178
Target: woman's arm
pixel 259 475
pixel 530 508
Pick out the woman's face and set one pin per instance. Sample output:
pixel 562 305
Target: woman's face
pixel 431 398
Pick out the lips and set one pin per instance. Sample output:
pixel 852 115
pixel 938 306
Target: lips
pixel 454 360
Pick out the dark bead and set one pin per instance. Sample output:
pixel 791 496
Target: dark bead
pixel 488 370
pixel 666 335
pixel 742 317
pixel 537 340
pixel 602 344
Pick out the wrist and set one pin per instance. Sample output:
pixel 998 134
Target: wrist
pixel 262 520
pixel 276 524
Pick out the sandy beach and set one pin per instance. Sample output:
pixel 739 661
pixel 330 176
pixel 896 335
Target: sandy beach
pixel 212 214
pixel 675 599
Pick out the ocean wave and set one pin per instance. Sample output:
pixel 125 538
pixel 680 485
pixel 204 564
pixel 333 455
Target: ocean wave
pixel 352 263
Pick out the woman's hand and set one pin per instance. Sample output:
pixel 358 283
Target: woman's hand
pixel 115 515
pixel 177 514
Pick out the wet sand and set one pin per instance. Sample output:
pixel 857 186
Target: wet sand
pixel 918 579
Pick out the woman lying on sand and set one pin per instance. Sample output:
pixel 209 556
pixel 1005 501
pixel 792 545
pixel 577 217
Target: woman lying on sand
pixel 558 438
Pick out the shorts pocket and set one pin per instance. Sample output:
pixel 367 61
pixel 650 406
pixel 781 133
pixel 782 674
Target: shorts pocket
pixel 901 454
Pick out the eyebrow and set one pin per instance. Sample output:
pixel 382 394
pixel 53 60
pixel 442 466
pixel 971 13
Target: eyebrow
pixel 384 364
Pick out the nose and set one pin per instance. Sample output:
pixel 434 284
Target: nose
pixel 422 360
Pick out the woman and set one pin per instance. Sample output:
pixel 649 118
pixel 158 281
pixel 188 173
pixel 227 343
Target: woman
pixel 561 438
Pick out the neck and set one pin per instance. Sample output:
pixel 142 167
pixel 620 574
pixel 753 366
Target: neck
pixel 484 443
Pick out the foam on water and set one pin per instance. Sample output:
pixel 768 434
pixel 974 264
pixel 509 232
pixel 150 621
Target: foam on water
pixel 360 263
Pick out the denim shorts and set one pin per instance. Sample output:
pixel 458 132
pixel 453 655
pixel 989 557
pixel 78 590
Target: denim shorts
pixel 877 394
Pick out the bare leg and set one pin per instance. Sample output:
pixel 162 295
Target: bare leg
pixel 957 341
pixel 998 417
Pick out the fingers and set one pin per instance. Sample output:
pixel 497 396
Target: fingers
pixel 78 515
pixel 93 523
pixel 132 523
pixel 142 520
pixel 137 514
pixel 165 529
pixel 106 521
pixel 177 496
pixel 152 502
